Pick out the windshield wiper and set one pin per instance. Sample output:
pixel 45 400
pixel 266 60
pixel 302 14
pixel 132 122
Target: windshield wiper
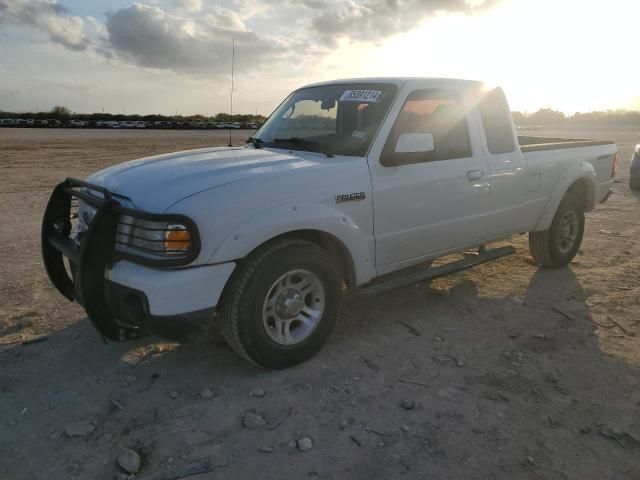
pixel 305 143
pixel 257 142
pixel 297 142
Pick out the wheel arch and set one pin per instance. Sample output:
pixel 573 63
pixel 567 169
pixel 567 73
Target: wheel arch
pixel 332 244
pixel 581 181
pixel 584 191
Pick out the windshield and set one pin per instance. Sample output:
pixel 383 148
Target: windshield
pixel 332 119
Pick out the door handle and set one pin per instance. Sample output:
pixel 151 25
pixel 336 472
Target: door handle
pixel 474 175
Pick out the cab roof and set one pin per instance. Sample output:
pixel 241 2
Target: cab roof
pixel 399 81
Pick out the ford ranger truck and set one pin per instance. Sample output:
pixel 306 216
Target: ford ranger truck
pixel 348 184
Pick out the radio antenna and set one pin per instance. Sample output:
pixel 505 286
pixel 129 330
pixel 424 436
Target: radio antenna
pixel 233 60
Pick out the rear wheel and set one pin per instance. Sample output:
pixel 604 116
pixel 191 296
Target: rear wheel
pixel 557 246
pixel 282 303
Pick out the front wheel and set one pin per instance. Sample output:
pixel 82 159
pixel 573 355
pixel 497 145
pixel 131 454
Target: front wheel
pixel 282 303
pixel 557 246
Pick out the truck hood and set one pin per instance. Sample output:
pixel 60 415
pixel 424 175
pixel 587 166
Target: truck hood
pixel 153 184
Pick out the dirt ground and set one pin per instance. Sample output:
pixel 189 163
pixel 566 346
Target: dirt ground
pixel 504 371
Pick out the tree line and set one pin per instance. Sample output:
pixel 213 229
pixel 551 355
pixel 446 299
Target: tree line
pixel 62 113
pixel 548 116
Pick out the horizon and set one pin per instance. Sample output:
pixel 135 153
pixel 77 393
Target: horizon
pixel 163 56
pixel 526 114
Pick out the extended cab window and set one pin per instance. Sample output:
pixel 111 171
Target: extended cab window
pixel 496 119
pixel 440 113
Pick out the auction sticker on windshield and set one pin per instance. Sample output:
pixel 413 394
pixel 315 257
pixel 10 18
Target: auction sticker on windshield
pixel 370 96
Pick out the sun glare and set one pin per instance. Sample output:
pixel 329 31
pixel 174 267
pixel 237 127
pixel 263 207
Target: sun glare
pixel 572 55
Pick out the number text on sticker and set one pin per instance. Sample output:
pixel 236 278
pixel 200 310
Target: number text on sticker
pixel 370 96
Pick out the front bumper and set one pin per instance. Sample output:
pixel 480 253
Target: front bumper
pixel 122 294
pixel 172 303
pixel 131 310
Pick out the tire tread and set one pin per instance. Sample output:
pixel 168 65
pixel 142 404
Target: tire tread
pixel 539 247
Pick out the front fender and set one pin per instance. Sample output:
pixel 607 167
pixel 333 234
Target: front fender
pixel 575 172
pixel 290 217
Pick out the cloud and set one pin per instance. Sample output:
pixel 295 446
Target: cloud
pixel 313 4
pixel 47 16
pixel 374 20
pixel 195 38
pixel 188 5
pixel 151 37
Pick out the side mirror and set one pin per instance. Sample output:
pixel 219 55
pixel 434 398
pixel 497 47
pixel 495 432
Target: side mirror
pixel 410 148
pixel 415 143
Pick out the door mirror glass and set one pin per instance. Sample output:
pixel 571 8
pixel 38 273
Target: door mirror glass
pixel 410 148
pixel 415 143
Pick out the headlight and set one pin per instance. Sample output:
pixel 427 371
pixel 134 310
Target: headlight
pixel 152 239
pixel 155 238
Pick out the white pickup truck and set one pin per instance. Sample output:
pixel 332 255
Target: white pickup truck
pixel 346 183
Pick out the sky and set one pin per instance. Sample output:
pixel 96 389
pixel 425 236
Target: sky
pixel 174 56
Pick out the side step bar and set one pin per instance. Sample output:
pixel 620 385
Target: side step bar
pixel 399 280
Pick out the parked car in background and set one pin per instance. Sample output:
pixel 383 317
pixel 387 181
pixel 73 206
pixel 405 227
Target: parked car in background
pixel 634 176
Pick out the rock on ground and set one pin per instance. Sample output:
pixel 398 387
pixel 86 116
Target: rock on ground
pixel 206 393
pixel 252 420
pixel 257 392
pixel 129 460
pixel 304 444
pixel 81 428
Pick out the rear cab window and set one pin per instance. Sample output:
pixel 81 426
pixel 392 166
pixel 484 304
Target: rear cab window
pixel 496 120
pixel 439 112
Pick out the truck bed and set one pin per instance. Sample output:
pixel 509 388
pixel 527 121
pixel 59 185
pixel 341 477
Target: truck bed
pixel 535 144
pixel 550 158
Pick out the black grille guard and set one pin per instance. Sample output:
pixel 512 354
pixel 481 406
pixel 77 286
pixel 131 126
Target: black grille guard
pixel 87 284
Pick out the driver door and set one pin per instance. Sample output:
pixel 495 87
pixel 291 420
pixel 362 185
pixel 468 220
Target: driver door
pixel 428 202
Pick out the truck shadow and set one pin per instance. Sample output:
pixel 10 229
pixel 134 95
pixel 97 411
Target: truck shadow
pixel 522 375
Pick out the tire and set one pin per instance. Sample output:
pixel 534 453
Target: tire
pixel 259 319
pixel 634 182
pixel 557 246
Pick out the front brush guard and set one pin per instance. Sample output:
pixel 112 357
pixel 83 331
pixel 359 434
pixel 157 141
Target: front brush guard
pixel 89 261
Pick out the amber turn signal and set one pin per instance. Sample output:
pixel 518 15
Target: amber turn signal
pixel 177 238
